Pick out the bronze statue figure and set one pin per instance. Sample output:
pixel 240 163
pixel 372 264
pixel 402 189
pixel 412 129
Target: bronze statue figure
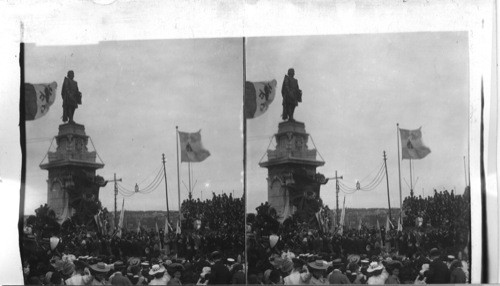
pixel 292 95
pixel 71 96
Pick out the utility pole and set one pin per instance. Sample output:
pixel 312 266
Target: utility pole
pixel 166 187
pixel 116 194
pixel 387 180
pixel 337 190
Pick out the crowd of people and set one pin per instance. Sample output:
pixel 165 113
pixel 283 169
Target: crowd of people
pixel 443 209
pixel 82 254
pixel 367 255
pixel 286 267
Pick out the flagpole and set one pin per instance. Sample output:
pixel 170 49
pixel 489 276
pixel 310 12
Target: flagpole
pixel 245 144
pixel 244 122
pixel 178 176
pixel 399 174
pixel 166 187
pixel 411 181
pixel 465 172
pixel 387 180
pixel 189 179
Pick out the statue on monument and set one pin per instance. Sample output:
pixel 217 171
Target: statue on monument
pixel 292 95
pixel 71 96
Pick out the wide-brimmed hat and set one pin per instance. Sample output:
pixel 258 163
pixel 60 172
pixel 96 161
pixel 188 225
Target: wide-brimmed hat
pixel 374 266
pixel 134 261
pixel 353 258
pixel 319 265
pixel 100 267
pixel 156 269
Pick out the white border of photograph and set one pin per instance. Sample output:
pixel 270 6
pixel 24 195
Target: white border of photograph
pixel 85 22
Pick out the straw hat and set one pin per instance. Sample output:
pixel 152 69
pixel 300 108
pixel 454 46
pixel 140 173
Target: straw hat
pixel 318 264
pixel 374 266
pixel 354 258
pixel 100 267
pixel 156 269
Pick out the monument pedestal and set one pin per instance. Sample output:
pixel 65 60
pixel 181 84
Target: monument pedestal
pixel 72 185
pixel 293 183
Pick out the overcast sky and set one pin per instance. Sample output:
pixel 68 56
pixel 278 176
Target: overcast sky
pixel 355 89
pixel 134 94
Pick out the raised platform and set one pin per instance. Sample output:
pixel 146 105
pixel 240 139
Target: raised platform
pixel 292 176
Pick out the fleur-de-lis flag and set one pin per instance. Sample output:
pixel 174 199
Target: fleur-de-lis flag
pixel 38 98
pixel 192 149
pixel 412 146
pixel 258 97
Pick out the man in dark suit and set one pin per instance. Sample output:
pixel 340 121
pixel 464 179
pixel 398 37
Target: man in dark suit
pixel 292 95
pixel 219 274
pixel 438 270
pixel 71 97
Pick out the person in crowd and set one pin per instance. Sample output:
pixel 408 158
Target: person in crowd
pixel 422 275
pixel 219 272
pixel 158 273
pixel 117 278
pixel 336 276
pixel 393 271
pixel 80 276
pixel 205 273
pixel 176 277
pixel 275 277
pixel 98 272
pixel 376 274
pixel 238 274
pixel 299 275
pixel 318 271
pixel 457 275
pixel 438 270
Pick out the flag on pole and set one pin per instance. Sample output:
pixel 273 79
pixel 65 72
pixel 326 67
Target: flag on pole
pixel 98 222
pixel 38 98
pixel 156 225
pixel 400 224
pixel 342 218
pixel 167 226
pixel 258 97
pixel 178 230
pixel 321 221
pixel 191 147
pixel 412 146
pixel 120 222
pixel 387 225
